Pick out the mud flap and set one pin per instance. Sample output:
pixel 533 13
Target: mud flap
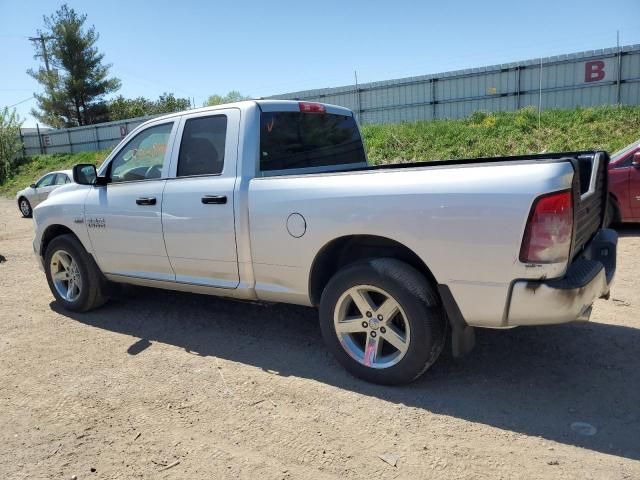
pixel 463 337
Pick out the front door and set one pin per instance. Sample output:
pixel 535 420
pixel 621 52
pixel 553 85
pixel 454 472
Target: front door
pixel 44 187
pixel 124 217
pixel 197 205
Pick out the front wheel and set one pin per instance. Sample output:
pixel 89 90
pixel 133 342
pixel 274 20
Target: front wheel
pixel 73 277
pixel 25 207
pixel 382 320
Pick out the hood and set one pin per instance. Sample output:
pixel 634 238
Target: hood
pixel 24 191
pixel 65 188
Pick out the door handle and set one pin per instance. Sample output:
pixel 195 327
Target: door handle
pixel 146 201
pixel 214 199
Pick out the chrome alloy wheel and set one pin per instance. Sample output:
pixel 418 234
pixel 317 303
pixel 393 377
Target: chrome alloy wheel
pixel 25 209
pixel 371 326
pixel 66 276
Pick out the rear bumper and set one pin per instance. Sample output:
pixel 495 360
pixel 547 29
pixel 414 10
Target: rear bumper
pixel 543 302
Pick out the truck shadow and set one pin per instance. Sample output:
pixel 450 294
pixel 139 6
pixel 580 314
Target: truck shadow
pixel 535 381
pixel 628 229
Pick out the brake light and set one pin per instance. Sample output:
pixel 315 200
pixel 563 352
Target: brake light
pixel 547 236
pixel 311 107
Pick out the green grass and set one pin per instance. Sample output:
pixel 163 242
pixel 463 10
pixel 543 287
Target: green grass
pixel 34 167
pixel 510 133
pixel 481 135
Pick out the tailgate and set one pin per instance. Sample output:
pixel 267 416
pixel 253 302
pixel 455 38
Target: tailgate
pixel 590 197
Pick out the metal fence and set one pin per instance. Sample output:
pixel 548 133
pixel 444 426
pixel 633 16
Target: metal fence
pixel 599 77
pixel 79 139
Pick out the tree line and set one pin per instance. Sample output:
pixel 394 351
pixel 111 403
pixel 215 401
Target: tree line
pixel 77 86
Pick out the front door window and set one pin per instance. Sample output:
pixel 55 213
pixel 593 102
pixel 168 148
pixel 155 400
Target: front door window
pixel 143 157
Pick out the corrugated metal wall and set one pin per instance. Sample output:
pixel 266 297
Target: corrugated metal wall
pixel 79 139
pixel 585 79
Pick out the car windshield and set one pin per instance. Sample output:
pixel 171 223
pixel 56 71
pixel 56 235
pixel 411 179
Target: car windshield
pixel 622 152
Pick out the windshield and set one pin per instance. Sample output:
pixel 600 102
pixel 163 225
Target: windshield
pixel 622 152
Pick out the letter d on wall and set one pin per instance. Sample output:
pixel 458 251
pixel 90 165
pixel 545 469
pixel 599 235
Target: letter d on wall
pixel 594 71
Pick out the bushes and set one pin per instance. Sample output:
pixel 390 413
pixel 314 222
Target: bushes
pixel 34 167
pixel 504 133
pixel 9 141
pixel 481 135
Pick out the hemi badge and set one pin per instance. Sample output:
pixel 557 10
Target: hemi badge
pixel 78 220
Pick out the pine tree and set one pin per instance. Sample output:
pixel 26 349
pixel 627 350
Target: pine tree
pixel 75 87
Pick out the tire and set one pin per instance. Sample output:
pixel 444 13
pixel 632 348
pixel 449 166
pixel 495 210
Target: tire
pixel 612 215
pixel 408 343
pixel 25 207
pixel 89 285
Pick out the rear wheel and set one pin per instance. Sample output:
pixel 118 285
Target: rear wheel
pixel 73 277
pixel 382 321
pixel 25 207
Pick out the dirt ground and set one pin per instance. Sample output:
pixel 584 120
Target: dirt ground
pixel 166 385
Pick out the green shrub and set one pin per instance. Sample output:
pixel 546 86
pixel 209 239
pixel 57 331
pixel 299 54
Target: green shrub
pixel 34 167
pixel 9 141
pixel 485 134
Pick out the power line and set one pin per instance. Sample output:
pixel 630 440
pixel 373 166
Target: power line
pixel 21 101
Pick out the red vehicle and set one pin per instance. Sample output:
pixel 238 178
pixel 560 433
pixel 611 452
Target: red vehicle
pixel 624 185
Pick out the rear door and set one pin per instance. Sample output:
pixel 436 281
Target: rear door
pixel 197 205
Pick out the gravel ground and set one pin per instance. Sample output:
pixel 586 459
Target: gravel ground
pixel 165 385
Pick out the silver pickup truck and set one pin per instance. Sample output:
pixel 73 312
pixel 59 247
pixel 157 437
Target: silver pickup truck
pixel 274 201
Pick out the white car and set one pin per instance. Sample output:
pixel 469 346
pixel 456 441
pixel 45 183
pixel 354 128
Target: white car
pixel 273 200
pixel 39 191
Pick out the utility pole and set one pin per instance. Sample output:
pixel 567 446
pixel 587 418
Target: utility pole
pixel 355 74
pixel 619 66
pixel 540 93
pixel 42 39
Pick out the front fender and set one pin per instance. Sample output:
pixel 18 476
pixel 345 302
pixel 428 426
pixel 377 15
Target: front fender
pixel 66 210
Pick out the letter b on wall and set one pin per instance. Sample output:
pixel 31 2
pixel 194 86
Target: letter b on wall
pixel 594 71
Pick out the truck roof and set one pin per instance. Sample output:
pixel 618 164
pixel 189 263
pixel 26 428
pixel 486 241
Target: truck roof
pixel 270 105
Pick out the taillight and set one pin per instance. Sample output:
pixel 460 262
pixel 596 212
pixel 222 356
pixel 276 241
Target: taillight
pixel 311 107
pixel 547 237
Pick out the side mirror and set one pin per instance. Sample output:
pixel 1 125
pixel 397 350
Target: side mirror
pixel 636 160
pixel 33 185
pixel 86 174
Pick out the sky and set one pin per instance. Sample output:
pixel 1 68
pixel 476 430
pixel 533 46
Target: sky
pixel 195 48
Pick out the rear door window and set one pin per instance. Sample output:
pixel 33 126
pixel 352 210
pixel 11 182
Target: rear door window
pixel 61 179
pixel 202 146
pixel 293 140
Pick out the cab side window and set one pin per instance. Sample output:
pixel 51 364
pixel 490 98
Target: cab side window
pixel 202 146
pixel 143 157
pixel 61 179
pixel 46 180
pixel 628 160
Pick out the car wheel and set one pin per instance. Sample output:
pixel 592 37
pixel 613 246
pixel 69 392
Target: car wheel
pixel 25 207
pixel 73 277
pixel 612 215
pixel 382 320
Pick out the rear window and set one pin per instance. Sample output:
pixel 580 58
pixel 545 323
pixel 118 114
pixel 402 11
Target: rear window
pixel 291 140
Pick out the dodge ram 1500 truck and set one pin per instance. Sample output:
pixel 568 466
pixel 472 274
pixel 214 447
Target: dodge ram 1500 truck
pixel 274 201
